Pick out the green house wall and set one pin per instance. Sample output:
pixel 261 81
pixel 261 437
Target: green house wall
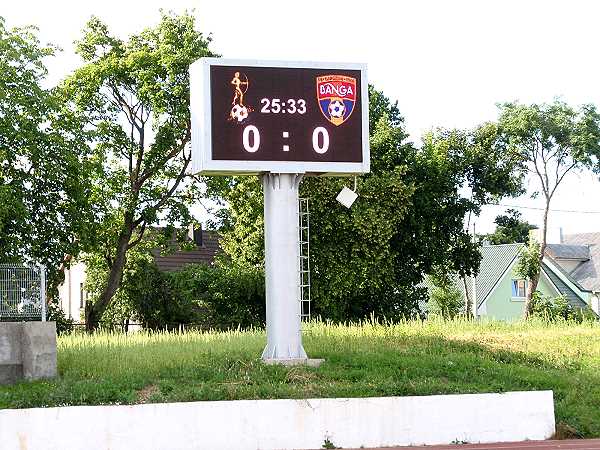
pixel 500 303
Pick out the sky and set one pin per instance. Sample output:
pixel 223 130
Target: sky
pixel 447 63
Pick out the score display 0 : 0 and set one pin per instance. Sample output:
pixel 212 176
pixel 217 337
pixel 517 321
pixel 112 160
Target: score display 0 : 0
pixel 251 139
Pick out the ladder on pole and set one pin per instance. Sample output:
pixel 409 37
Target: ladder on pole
pixel 304 247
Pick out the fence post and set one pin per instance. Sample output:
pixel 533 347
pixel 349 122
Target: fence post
pixel 43 291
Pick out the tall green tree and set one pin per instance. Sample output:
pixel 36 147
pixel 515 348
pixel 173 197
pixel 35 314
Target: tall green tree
pixel 407 221
pixel 45 186
pixel 129 90
pixel 510 228
pixel 549 141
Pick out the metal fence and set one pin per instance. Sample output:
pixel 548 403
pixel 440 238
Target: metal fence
pixel 22 292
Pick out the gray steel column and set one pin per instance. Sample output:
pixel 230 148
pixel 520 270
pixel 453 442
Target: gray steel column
pixel 284 339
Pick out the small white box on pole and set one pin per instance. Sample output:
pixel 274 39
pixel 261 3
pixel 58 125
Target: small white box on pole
pixel 347 197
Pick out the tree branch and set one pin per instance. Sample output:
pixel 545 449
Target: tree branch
pixel 137 240
pixel 169 193
pixel 567 170
pixel 534 158
pixel 174 152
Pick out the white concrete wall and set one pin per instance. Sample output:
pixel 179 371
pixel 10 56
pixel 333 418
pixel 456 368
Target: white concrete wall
pixel 284 424
pixel 70 291
pixel 595 302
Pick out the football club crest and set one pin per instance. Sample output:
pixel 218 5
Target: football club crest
pixel 336 95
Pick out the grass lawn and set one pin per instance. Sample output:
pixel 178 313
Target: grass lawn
pixel 369 359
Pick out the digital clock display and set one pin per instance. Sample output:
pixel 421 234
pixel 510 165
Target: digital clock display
pixel 261 117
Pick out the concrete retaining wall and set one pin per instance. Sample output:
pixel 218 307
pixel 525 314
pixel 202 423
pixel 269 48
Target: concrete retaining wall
pixel 27 350
pixel 284 424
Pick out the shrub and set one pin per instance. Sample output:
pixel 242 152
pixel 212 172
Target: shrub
pixel 54 313
pixel 445 301
pixel 147 291
pixel 218 297
pixel 558 308
pixel 121 310
pixel 207 297
pixel 225 296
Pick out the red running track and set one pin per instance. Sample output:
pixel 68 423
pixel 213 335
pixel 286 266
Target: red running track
pixel 579 444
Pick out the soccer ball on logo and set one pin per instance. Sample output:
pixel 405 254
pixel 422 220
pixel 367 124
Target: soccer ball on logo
pixel 337 109
pixel 239 112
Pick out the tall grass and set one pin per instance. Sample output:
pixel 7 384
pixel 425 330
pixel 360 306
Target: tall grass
pixel 370 358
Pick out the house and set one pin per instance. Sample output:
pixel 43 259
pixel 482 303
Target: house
pixel 570 267
pixel 72 294
pixel 207 247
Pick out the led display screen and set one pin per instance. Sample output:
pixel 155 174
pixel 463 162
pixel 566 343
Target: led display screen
pixel 281 114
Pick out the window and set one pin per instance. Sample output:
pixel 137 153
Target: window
pixel 519 287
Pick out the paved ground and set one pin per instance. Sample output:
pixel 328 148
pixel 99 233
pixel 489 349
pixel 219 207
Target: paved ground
pixel 580 444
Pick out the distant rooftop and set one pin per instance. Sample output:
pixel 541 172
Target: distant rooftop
pixel 587 274
pixel 568 251
pixel 202 254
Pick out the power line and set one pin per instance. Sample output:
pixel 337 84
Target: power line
pixel 541 209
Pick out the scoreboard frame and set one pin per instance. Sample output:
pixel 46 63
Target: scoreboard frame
pixel 201 120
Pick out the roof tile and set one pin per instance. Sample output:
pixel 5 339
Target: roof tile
pixel 588 273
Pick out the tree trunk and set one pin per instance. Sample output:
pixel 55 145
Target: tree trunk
pixel 468 302
pixel 533 283
pixel 94 311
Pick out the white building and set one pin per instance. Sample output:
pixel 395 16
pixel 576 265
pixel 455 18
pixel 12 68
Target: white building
pixel 72 294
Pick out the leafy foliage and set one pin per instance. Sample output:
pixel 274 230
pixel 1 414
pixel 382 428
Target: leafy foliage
pixel 558 308
pixel 45 210
pixel 121 310
pixel 228 296
pixel 207 297
pixel 510 228
pixel 128 91
pixel 242 222
pixel 529 263
pixel 528 267
pixel 200 295
pixel 64 325
pixel 445 299
pixel 148 296
pixel 551 139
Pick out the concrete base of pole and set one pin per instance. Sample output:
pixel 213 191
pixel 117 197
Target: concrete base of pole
pixel 310 362
pixel 282 268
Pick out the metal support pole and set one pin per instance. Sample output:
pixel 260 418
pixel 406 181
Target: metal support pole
pixel 43 291
pixel 474 286
pixel 282 264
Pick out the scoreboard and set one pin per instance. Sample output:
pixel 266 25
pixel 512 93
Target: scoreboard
pixel 252 117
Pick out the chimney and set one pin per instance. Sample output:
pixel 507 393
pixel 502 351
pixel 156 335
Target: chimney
pixel 554 235
pixel 195 234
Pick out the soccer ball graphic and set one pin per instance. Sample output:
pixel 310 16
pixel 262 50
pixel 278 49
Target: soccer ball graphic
pixel 239 113
pixel 337 109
